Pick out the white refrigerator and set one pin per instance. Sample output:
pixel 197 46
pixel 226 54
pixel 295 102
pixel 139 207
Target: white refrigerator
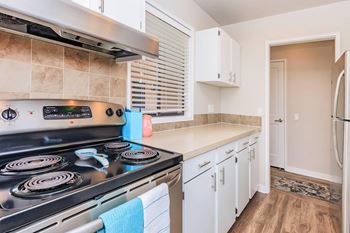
pixel 341 131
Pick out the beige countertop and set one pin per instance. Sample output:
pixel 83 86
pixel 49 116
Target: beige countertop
pixel 197 140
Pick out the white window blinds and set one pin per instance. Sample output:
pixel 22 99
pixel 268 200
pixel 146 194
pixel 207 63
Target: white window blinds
pixel 159 86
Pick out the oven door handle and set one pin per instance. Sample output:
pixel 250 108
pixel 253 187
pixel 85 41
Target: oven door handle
pixel 174 179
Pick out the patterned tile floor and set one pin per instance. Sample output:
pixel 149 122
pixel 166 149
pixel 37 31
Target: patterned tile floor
pixel 289 182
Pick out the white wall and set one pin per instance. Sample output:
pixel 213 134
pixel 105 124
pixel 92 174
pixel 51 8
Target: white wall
pixel 191 14
pixel 309 95
pixel 252 35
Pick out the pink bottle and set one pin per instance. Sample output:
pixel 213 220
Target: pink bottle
pixel 147 126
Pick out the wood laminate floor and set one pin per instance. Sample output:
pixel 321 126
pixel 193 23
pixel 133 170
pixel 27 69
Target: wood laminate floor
pixel 285 212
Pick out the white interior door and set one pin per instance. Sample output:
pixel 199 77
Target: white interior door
pixel 277 121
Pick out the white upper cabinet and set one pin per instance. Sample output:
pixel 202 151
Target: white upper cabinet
pixel 130 13
pixel 236 63
pixel 218 58
pixel 85 3
pixel 225 56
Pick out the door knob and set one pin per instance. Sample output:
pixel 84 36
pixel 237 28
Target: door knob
pixel 279 120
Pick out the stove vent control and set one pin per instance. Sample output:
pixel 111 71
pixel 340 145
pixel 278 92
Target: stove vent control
pixel 9 114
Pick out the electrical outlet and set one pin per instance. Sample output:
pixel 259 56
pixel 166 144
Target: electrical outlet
pixel 259 111
pixel 296 116
pixel 210 108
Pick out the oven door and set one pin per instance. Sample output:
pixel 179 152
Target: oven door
pixel 82 218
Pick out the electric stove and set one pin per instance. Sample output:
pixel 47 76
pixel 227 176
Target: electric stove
pixel 40 172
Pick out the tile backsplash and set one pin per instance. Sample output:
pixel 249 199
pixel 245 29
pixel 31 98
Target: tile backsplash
pixel 204 119
pixel 31 68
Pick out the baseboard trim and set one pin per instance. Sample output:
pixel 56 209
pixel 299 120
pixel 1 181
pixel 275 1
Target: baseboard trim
pixel 263 189
pixel 317 175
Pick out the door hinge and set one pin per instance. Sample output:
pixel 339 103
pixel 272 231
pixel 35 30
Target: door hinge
pixel 236 210
pixel 183 195
pixel 219 33
pixel 236 159
pixel 218 76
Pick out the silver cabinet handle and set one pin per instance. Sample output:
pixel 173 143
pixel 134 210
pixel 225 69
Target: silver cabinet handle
pixel 229 151
pixel 222 180
pixel 102 6
pixel 214 182
pixel 205 163
pixel 279 120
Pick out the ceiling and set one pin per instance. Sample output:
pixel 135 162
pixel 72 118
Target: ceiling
pixel 233 11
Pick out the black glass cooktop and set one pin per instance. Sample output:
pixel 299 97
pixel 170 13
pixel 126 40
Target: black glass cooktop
pixel 37 185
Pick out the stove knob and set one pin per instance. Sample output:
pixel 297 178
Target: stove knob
pixel 119 112
pixel 109 112
pixel 9 114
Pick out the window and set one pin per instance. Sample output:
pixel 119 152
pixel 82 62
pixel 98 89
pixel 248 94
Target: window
pixel 161 87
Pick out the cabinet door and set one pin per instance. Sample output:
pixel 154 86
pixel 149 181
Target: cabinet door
pixel 131 13
pixel 207 55
pixel 199 203
pixel 236 63
pixel 96 5
pixel 85 3
pixel 242 180
pixel 225 195
pixel 225 56
pixel 254 172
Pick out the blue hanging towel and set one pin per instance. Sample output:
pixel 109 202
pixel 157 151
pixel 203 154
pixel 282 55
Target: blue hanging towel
pixel 126 218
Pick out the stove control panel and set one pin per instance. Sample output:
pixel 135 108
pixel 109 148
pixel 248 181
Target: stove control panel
pixel 28 115
pixel 66 112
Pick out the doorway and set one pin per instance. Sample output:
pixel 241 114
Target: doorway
pixel 300 118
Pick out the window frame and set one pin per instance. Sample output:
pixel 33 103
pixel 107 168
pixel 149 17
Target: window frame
pixel 152 8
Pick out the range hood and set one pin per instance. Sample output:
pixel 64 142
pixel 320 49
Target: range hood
pixel 65 22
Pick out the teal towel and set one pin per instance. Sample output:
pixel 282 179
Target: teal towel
pixel 126 218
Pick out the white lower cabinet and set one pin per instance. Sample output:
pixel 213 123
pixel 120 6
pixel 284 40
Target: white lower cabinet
pixel 217 186
pixel 253 169
pixel 242 180
pixel 225 195
pixel 199 206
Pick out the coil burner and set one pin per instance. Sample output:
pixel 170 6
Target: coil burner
pixel 47 184
pixel 140 156
pixel 33 165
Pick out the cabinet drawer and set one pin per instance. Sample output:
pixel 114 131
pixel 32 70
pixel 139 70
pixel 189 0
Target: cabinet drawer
pixel 197 165
pixel 254 139
pixel 242 143
pixel 225 152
